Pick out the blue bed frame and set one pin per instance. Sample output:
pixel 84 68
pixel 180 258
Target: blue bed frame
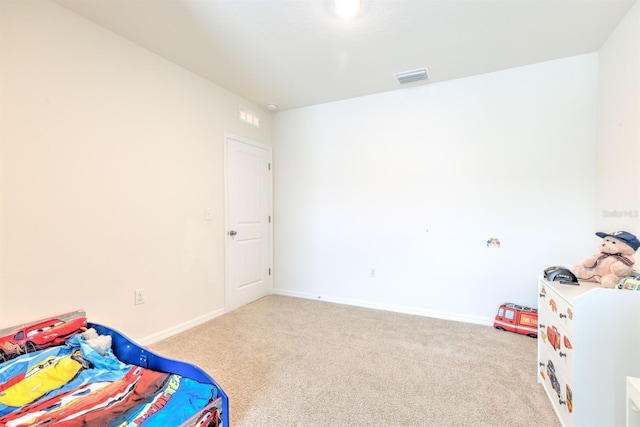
pixel 129 352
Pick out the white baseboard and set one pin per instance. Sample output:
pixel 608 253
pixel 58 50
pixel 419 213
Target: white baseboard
pixel 390 307
pixel 159 336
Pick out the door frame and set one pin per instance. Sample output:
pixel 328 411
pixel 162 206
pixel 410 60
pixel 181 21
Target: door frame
pixel 227 226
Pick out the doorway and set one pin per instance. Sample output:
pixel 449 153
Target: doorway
pixel 248 221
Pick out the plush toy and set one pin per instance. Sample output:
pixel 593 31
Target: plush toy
pixel 100 343
pixel 614 261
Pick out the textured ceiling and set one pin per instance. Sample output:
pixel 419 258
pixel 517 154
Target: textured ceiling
pixel 297 53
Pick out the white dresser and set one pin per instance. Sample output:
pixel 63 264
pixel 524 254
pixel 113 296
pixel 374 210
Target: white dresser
pixel 588 343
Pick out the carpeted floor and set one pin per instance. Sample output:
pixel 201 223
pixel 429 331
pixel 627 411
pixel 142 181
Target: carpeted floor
pixel 294 362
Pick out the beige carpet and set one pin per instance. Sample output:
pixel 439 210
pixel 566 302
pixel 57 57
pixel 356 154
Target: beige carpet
pixel 295 362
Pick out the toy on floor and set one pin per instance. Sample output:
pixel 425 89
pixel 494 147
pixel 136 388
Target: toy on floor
pixel 517 318
pixel 614 262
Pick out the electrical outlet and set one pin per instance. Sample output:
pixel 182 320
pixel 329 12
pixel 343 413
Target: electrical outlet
pixel 139 296
pixel 372 272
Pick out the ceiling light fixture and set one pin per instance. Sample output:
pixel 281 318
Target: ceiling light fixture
pixel 412 76
pixel 347 8
pixel 271 107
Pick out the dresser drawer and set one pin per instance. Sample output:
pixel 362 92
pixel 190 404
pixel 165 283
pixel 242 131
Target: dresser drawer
pixel 559 309
pixel 558 346
pixel 557 386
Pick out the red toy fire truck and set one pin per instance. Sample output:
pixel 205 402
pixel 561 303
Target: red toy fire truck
pixel 517 318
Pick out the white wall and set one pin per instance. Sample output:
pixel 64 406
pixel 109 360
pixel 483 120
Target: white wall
pixel 109 156
pixel 618 146
pixel 414 182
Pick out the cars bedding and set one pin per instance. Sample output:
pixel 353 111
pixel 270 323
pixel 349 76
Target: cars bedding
pixel 76 385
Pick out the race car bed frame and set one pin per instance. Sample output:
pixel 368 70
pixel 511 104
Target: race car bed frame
pixel 127 386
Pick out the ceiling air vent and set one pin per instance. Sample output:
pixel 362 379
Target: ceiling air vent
pixel 412 76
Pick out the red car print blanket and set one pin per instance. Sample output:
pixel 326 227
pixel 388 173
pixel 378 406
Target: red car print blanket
pixel 75 385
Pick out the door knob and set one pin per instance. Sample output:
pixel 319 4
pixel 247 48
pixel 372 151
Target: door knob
pixel 233 233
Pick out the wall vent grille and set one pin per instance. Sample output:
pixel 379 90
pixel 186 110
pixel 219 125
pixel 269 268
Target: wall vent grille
pixel 249 117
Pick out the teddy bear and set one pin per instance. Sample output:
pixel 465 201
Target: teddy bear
pixel 614 261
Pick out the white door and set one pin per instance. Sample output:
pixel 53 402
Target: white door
pixel 248 201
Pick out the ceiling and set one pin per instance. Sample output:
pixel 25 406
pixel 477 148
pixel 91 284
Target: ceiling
pixel 296 53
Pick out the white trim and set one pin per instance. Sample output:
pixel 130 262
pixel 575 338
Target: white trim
pixel 228 135
pixel 486 321
pixel 174 330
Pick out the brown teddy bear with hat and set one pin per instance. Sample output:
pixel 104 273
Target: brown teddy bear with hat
pixel 614 261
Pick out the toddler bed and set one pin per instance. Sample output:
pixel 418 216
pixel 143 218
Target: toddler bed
pixel 65 371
